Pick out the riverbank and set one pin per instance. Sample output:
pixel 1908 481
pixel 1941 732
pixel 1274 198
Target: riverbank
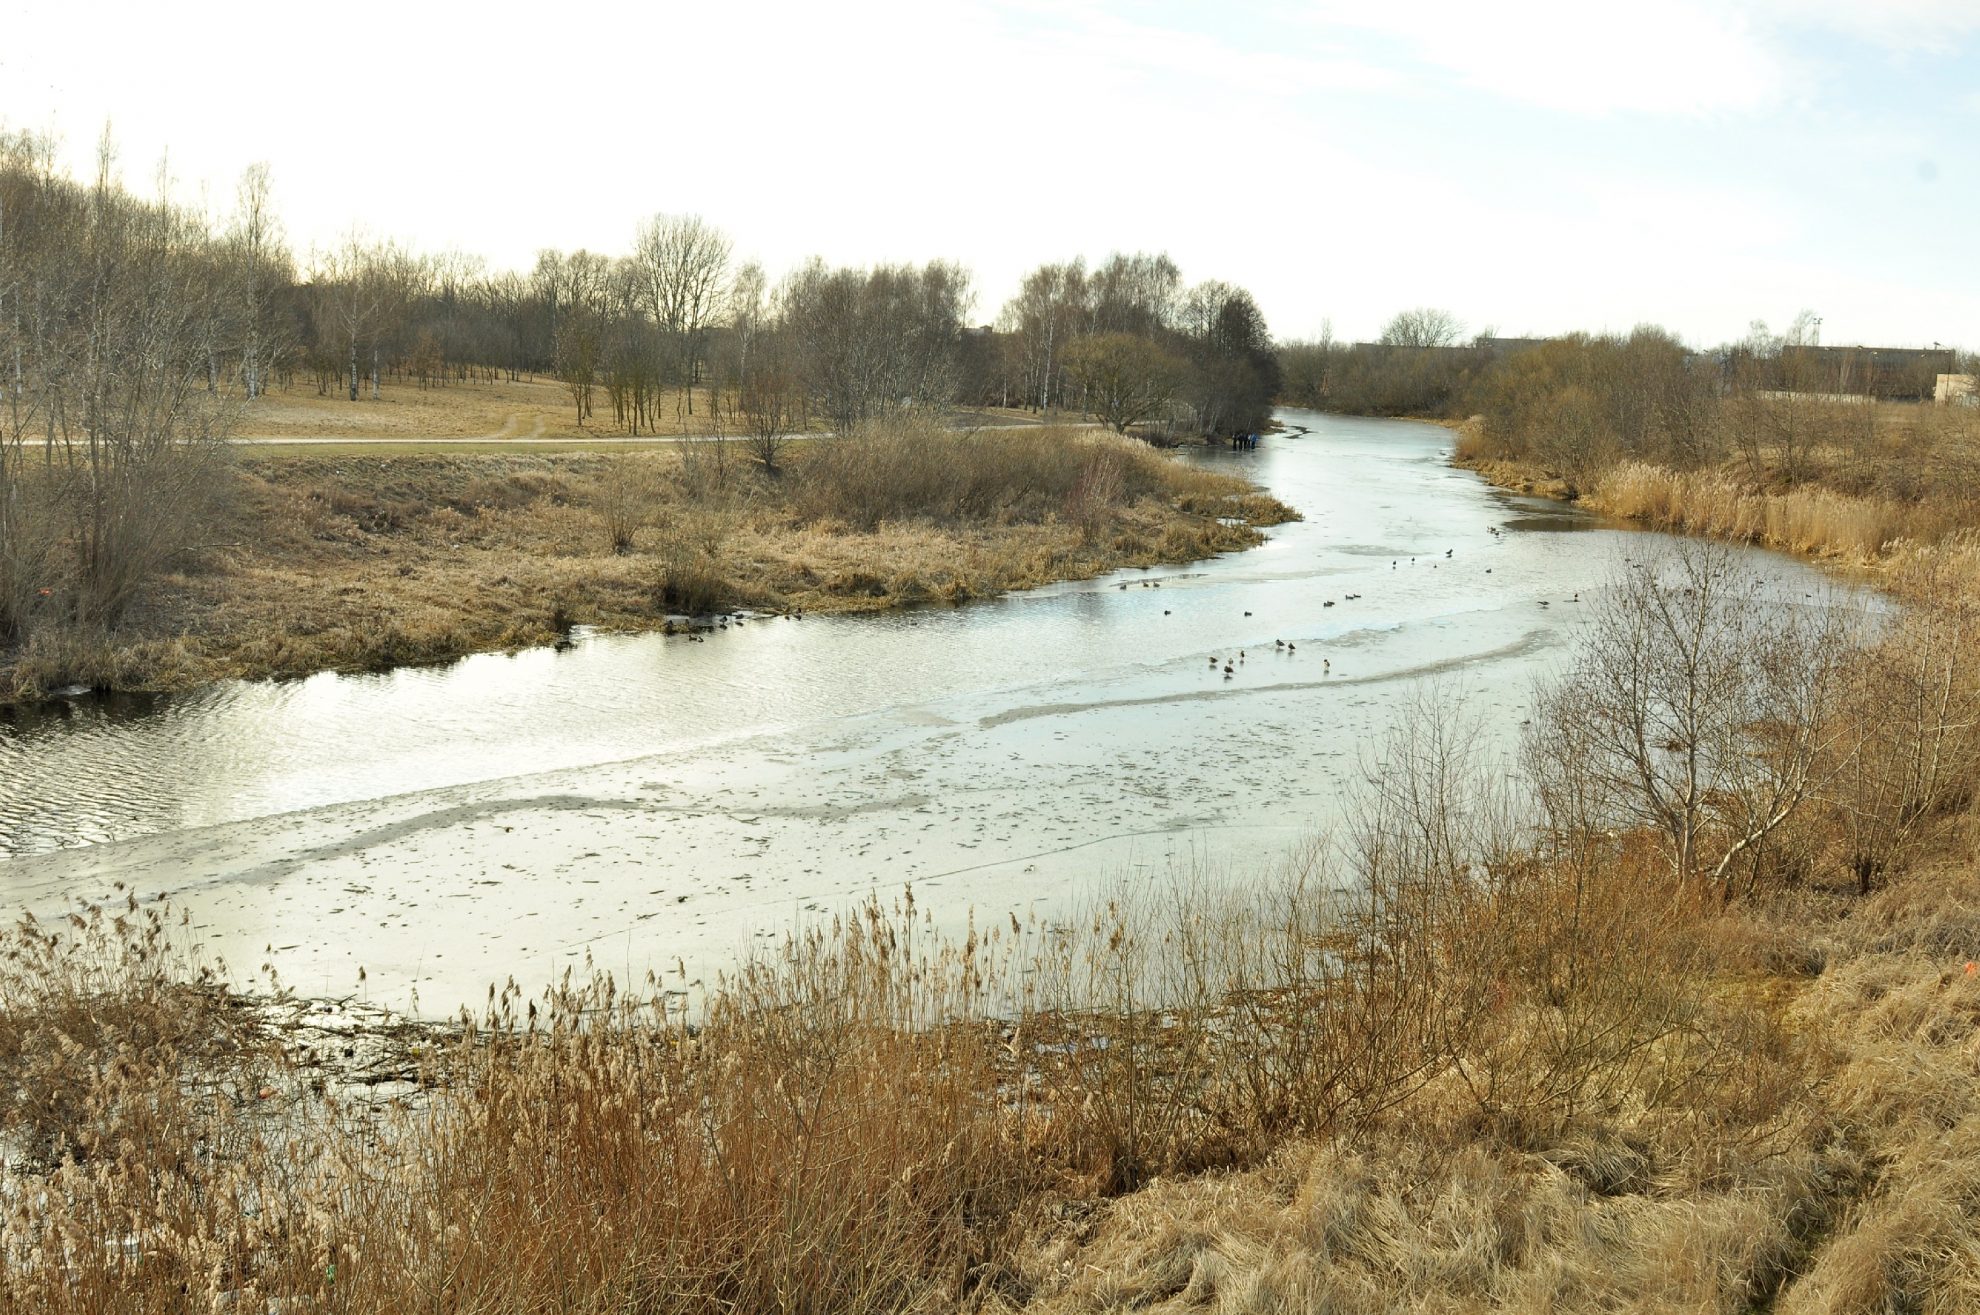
pixel 364 558
pixel 1883 486
pixel 1921 548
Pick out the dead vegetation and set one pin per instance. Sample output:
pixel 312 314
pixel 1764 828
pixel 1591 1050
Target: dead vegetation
pixel 366 559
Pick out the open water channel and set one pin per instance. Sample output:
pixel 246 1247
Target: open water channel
pixel 647 799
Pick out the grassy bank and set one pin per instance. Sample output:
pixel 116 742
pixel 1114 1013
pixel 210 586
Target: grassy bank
pixel 365 556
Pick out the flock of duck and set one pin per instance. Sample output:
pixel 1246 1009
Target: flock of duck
pixel 698 632
pixel 1231 665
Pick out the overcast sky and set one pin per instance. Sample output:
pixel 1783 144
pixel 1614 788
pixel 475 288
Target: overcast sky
pixel 1532 165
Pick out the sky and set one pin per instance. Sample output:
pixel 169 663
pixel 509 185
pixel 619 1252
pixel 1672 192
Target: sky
pixel 1533 166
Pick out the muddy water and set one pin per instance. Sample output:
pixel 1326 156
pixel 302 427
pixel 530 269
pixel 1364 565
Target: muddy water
pixel 647 799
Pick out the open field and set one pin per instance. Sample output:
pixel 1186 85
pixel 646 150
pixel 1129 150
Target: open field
pixel 368 555
pixel 526 408
pixel 498 410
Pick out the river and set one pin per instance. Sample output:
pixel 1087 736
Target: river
pixel 640 800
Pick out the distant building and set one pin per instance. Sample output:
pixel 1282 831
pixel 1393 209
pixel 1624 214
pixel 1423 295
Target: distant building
pixel 1958 389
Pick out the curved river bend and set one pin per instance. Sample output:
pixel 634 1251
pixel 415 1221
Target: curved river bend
pixel 638 799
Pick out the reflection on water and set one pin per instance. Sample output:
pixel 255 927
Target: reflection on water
pixel 1561 522
pixel 75 709
pixel 1402 563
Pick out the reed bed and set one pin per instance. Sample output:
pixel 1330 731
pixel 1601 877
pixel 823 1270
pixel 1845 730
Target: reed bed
pixel 1810 520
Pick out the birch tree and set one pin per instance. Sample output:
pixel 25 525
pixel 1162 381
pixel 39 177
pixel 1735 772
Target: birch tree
pixel 263 266
pixel 1051 309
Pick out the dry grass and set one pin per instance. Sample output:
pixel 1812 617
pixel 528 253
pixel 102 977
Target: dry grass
pixel 500 409
pixel 497 410
pixel 1049 1119
pixel 1854 1192
pixel 1808 519
pixel 362 559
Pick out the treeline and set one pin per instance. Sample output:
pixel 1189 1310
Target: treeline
pixel 1129 342
pixel 627 332
pixel 1782 408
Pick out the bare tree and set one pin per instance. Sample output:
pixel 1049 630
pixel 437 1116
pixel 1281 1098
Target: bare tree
pixel 1423 326
pixel 1697 708
pixel 264 269
pixel 1908 743
pixel 1135 294
pixel 868 343
pixel 770 400
pixel 114 310
pixel 1052 308
pixel 749 316
pixel 362 289
pixel 1126 379
pixel 579 348
pixel 683 263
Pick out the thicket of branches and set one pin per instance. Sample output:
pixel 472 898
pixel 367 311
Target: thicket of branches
pixel 119 320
